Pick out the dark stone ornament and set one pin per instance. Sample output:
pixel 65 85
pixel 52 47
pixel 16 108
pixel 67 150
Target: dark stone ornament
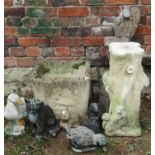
pixel 92 120
pixel 83 139
pixel 42 117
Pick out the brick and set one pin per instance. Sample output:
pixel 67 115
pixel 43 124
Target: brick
pixel 145 10
pixel 46 31
pixel 73 11
pixel 143 29
pixel 52 12
pixel 76 32
pixel 6 51
pixel 10 41
pixel 13 21
pixel 148 20
pixel 71 2
pixel 8 2
pixel 19 12
pixel 148 49
pixel 58 3
pixel 86 31
pixel 10 31
pixel 48 52
pixel 103 51
pixel 5 21
pixel 33 41
pixel 29 22
pixel 77 51
pixel 44 22
pixel 64 58
pixel 23 31
pixel 143 20
pixel 35 2
pixel 62 51
pixel 71 32
pixel 118 2
pixel 75 41
pixel 9 62
pixel 17 51
pixel 145 2
pixel 33 51
pixel 92 2
pixel 92 21
pixel 67 21
pixel 103 31
pixel 93 41
pixel 65 41
pixel 41 12
pixel 26 62
pixel 139 39
pixel 105 10
pixel 147 39
pixel 92 52
pixel 36 12
pixel 59 42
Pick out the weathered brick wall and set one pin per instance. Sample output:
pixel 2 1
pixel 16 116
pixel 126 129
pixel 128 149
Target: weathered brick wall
pixel 64 29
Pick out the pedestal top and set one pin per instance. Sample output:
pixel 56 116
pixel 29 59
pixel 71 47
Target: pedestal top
pixel 125 48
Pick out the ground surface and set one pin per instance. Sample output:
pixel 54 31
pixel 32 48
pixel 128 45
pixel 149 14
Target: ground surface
pixel 27 145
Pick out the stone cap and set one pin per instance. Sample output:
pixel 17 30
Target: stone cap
pixel 125 48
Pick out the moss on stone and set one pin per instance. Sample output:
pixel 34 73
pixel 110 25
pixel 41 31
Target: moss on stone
pixel 44 22
pixel 23 31
pixel 29 21
pixel 49 69
pixel 42 69
pixel 48 31
pixel 36 2
pixel 36 12
pixel 77 65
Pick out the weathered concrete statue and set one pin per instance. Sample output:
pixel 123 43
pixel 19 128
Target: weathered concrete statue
pixel 124 82
pixel 15 112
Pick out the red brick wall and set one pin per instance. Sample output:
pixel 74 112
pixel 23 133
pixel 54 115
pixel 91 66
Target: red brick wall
pixel 63 29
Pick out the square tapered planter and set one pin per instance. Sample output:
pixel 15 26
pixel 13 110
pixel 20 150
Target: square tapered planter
pixel 64 86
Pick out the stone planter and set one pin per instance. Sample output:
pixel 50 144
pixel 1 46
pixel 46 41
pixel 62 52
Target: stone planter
pixel 64 86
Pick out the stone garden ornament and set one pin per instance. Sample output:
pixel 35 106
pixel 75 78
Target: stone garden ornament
pixel 83 139
pixel 42 117
pixel 64 86
pixel 124 82
pixel 92 119
pixel 15 112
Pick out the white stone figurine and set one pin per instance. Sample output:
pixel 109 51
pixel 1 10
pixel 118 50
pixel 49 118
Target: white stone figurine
pixel 124 82
pixel 15 112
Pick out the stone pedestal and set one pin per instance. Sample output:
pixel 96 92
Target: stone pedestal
pixel 64 86
pixel 124 82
